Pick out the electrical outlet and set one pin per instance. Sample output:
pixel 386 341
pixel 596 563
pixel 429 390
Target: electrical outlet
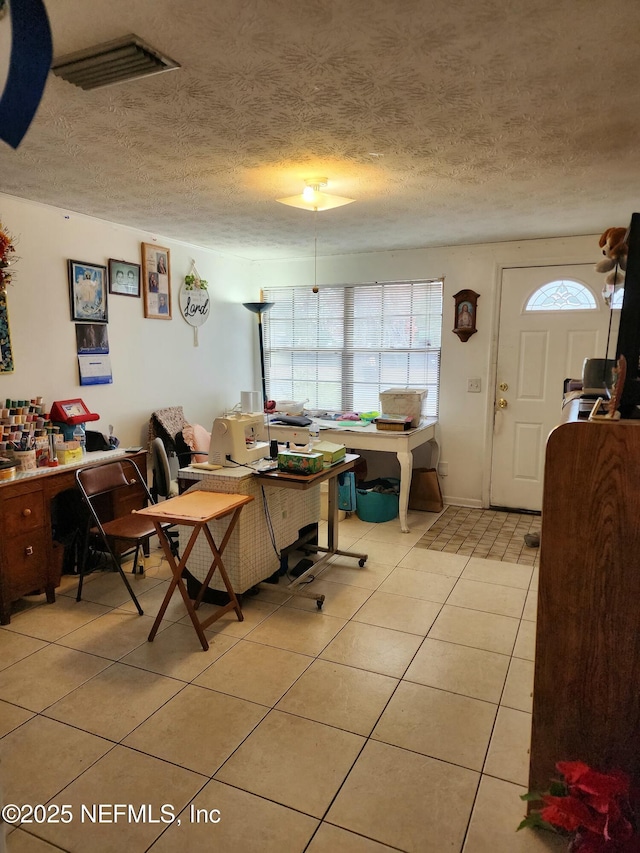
pixel 443 469
pixel 474 385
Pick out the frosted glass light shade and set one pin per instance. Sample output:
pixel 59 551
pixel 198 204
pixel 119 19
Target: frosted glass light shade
pixel 321 201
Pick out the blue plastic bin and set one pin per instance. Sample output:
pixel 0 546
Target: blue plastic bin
pixel 377 506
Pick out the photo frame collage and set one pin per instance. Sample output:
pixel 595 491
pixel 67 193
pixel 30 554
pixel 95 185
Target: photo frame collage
pixel 89 284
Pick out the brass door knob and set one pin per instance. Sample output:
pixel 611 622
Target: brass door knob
pixel 502 403
pixel 26 512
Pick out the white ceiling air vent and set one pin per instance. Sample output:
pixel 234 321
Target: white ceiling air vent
pixel 113 62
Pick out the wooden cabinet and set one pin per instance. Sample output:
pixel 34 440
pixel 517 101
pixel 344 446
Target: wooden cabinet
pixel 586 701
pixel 29 558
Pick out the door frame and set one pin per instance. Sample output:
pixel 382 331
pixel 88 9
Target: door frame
pixel 500 265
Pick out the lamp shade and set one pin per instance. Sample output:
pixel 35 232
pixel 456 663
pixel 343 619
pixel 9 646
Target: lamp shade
pixel 320 201
pixel 258 307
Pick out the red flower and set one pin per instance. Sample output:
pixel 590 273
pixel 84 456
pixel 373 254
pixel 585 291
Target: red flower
pixel 571 814
pixel 602 786
pixel 596 809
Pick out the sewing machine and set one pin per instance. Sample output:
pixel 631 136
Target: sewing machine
pixel 234 440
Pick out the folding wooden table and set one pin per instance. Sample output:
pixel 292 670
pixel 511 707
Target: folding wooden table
pixel 196 509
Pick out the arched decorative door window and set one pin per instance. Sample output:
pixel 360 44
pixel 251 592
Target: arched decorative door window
pixel 562 295
pixel 618 296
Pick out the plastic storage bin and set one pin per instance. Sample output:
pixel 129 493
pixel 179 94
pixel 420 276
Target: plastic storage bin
pixel 377 506
pixel 403 401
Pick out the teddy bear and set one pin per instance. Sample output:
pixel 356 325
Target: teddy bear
pixel 615 250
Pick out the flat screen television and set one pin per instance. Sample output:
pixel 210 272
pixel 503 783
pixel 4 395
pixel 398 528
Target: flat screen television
pixel 629 329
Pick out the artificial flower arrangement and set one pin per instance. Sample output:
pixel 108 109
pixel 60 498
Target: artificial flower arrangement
pixel 597 812
pixel 7 250
pixel 191 282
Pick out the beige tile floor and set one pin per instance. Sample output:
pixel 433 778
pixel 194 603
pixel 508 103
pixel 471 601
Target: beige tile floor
pixel 398 718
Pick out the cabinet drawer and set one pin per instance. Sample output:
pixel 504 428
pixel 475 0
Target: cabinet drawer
pixel 23 513
pixel 26 568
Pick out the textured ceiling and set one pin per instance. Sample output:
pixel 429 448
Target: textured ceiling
pixel 450 123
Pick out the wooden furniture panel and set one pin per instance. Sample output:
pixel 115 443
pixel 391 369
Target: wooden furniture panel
pixel 29 559
pixel 26 555
pixel 586 701
pixel 23 513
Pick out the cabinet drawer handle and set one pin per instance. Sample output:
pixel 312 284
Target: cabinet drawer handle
pixel 28 551
pixel 26 512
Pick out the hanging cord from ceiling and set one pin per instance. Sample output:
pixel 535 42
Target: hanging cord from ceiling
pixel 315 252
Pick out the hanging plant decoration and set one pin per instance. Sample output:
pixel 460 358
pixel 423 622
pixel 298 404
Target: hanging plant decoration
pixel 194 300
pixel 7 259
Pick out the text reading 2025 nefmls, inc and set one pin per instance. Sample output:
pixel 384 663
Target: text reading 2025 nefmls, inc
pixel 106 813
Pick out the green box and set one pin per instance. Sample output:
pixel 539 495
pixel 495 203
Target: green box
pixel 331 452
pixel 300 463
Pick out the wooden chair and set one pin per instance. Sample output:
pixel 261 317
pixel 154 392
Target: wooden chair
pixel 111 492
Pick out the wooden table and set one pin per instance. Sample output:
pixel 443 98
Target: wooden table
pixel 196 509
pixel 307 481
pixel 369 438
pixel 29 558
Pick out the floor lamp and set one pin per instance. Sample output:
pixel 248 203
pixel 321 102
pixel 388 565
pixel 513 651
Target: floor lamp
pixel 259 308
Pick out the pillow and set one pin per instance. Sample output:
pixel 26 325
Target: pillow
pixel 197 439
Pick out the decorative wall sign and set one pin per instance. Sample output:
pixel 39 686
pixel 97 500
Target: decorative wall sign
pixel 194 301
pixel 464 323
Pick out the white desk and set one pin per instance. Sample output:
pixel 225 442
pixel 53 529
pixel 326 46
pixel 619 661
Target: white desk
pixel 369 438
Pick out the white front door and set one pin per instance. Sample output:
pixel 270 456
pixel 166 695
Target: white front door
pixel 537 351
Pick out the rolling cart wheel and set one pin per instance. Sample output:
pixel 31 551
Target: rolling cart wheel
pixel 320 602
pixel 362 562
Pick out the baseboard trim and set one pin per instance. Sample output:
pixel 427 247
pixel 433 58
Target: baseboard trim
pixel 467 502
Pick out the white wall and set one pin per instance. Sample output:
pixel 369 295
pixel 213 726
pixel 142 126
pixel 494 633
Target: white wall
pixel 154 362
pixel 466 420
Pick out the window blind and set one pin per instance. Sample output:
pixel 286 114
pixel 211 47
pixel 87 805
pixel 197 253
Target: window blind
pixel 341 347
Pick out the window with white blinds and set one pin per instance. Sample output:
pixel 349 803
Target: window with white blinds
pixel 341 347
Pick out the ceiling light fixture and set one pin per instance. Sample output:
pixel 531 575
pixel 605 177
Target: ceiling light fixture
pixel 312 197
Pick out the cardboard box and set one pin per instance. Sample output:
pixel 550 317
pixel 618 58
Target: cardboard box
pixel 399 424
pixel 300 463
pixel 68 452
pixel 403 401
pixel 331 452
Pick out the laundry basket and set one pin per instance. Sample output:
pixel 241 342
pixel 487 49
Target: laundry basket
pixel 378 500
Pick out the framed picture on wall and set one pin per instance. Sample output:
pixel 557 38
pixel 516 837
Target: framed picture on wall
pixel 464 321
pixel 88 292
pixel 124 278
pixel 156 281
